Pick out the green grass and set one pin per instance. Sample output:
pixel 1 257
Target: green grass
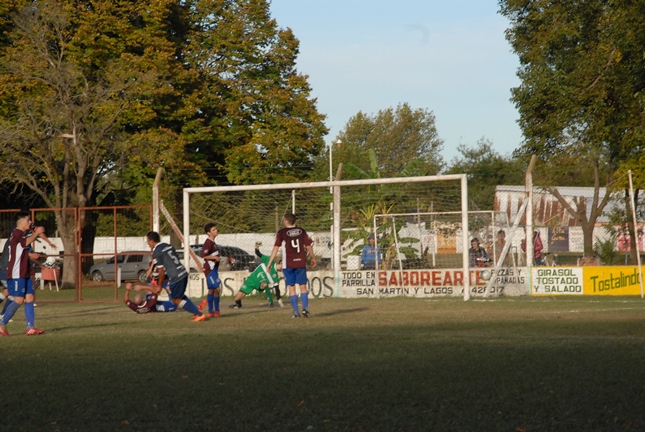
pixel 374 365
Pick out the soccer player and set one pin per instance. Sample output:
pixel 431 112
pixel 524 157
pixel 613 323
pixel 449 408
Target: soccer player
pixel 150 303
pixel 211 257
pixel 168 264
pixel 295 243
pixel 261 279
pixel 20 284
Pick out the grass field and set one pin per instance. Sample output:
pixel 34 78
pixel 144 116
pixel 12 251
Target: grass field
pixel 570 364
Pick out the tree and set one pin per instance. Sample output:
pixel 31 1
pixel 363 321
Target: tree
pixel 96 95
pixel 486 169
pixel 397 137
pixel 256 121
pixel 580 102
pixel 77 85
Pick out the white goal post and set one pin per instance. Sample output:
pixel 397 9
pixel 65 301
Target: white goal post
pixel 391 186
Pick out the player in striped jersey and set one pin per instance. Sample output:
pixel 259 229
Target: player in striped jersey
pixel 20 284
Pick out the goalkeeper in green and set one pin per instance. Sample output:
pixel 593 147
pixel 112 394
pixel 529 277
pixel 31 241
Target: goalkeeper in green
pixel 262 279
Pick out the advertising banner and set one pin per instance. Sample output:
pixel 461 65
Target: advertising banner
pixel 619 280
pixel 556 281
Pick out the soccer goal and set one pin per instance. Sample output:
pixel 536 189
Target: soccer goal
pixel 339 217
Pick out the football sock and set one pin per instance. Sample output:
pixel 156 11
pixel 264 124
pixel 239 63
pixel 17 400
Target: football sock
pixel 305 300
pixel 216 302
pixel 6 305
pixel 238 303
pixel 211 302
pixel 189 307
pixel 294 303
pixel 269 295
pixel 277 291
pixel 11 310
pixel 30 314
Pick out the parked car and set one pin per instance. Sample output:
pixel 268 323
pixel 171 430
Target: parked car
pixel 237 258
pixel 133 265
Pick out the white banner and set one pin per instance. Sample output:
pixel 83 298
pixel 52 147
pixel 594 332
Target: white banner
pixel 556 280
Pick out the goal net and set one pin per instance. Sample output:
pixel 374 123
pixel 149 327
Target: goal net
pixel 339 217
pixel 435 240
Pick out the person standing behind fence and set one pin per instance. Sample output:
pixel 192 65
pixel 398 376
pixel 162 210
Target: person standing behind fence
pixel 478 255
pixel 537 248
pixel 370 253
pixel 19 280
pixel 212 258
pixel 295 243
pixel 168 264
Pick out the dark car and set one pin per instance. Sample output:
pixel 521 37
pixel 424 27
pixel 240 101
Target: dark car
pixel 237 258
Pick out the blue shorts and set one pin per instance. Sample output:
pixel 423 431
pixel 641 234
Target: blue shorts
pixel 295 276
pixel 178 288
pixel 212 280
pixel 20 287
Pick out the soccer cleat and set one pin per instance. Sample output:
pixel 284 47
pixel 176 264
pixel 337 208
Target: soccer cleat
pixel 202 305
pixel 3 331
pixel 198 318
pixel 305 313
pixel 211 314
pixel 270 304
pixel 295 315
pixel 280 303
pixel 34 331
pixel 217 314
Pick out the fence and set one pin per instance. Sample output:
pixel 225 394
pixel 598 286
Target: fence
pixel 78 241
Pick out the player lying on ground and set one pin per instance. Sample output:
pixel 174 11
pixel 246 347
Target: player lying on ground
pixel 149 303
pixel 262 280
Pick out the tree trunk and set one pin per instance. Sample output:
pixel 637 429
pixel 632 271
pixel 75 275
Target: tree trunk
pixel 66 223
pixel 587 236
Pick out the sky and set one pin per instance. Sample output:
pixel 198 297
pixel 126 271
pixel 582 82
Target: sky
pixel 449 57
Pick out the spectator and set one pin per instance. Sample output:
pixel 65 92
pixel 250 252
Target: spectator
pixel 478 255
pixel 370 253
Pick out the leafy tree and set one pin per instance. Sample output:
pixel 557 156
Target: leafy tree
pixel 95 95
pixel 580 103
pixel 486 169
pixel 397 137
pixel 74 97
pixel 256 122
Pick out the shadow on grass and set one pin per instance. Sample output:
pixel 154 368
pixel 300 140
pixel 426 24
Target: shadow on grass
pixel 342 311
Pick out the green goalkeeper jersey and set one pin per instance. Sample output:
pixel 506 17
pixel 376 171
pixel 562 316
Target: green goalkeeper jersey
pixel 260 275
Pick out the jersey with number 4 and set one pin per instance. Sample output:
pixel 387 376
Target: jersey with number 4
pixel 293 241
